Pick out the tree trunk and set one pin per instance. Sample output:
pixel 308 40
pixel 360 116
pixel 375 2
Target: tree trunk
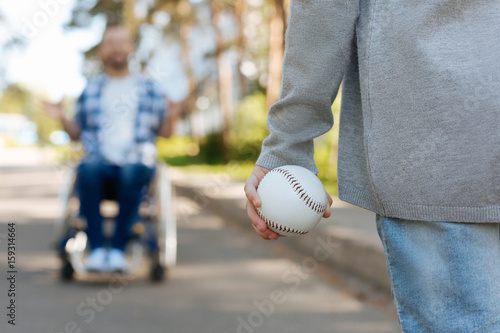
pixel 239 9
pixel 276 51
pixel 128 16
pixel 226 101
pixel 194 118
pixel 225 82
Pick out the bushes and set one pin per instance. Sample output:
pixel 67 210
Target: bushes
pixel 249 128
pixel 184 150
pixel 247 132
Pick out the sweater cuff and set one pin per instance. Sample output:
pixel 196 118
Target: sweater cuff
pixel 272 161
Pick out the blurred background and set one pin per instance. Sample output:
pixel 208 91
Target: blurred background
pixel 221 58
pixel 221 61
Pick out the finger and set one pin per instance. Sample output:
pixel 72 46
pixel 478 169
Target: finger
pixel 267 235
pixel 254 217
pixel 259 225
pixel 252 184
pixel 328 211
pixel 251 190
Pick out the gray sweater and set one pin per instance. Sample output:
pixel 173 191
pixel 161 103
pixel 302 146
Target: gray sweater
pixel 420 116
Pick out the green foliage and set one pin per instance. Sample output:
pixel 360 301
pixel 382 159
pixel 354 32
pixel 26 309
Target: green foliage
pixel 183 150
pixel 178 150
pixel 248 131
pixel 45 125
pixel 237 171
pixel 17 99
pixel 325 156
pixel 20 100
pixel 249 128
pixel 211 149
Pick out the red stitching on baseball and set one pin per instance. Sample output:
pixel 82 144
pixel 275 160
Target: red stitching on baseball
pixel 279 227
pixel 311 203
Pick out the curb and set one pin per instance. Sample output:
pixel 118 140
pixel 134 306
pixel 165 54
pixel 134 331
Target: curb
pixel 349 252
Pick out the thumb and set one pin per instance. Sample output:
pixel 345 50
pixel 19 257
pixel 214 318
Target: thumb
pixel 328 210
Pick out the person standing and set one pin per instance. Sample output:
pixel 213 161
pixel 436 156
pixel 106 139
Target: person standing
pixel 418 144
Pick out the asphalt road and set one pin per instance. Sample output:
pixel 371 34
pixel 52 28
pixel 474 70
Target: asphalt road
pixel 226 280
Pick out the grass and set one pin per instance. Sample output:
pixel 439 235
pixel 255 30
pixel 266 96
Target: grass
pixel 239 171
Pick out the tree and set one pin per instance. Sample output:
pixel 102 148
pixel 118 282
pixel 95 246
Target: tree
pixel 225 73
pixel 276 51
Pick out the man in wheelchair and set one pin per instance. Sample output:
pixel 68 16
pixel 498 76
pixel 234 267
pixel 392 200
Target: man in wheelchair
pixel 118 116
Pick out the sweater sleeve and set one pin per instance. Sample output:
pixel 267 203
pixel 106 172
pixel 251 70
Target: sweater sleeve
pixel 318 47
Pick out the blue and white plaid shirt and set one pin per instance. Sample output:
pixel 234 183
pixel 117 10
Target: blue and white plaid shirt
pixel 152 108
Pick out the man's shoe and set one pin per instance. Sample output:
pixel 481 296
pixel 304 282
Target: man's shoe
pixel 117 261
pixel 96 261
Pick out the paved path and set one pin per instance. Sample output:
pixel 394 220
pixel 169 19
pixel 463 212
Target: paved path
pixel 359 249
pixel 226 280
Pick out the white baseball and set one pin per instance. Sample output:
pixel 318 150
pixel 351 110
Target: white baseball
pixel 293 200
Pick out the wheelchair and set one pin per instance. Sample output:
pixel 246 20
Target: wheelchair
pixel 153 234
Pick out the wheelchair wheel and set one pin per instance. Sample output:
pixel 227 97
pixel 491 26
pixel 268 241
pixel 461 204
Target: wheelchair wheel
pixel 64 224
pixel 167 225
pixel 157 273
pixel 67 271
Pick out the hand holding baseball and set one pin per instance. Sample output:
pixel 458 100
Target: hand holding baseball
pixel 254 201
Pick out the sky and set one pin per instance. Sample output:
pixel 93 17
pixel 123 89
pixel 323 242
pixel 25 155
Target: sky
pixel 52 59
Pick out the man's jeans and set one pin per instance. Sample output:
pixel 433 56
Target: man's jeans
pixel 93 178
pixel 445 276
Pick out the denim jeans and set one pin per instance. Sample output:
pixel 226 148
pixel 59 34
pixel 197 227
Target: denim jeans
pixel 445 276
pixel 128 180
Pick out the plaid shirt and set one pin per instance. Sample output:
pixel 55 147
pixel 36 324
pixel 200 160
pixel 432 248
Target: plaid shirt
pixel 152 109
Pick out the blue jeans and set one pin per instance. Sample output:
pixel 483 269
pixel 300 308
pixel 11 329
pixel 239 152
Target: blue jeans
pixel 445 276
pixel 128 182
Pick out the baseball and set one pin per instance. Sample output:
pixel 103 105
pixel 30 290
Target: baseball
pixel 293 200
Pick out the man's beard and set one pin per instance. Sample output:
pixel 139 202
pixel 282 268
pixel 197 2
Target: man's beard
pixel 116 65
